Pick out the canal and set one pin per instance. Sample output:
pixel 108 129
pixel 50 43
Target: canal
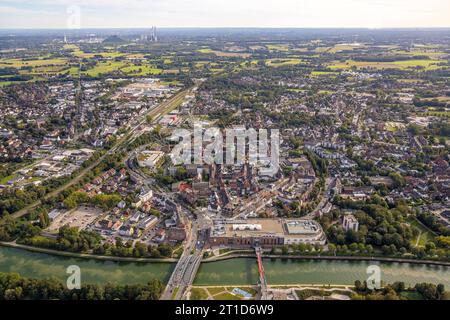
pixel 226 272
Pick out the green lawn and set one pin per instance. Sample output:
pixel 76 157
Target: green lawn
pixel 282 62
pixel 424 236
pixel 216 290
pixel 105 68
pixel 226 296
pixel 278 47
pixel 401 64
pixel 19 63
pixel 198 294
pixel 140 70
pixel 411 295
pixel 324 73
pixel 125 67
pixel 6 179
pixel 205 50
pixel 174 293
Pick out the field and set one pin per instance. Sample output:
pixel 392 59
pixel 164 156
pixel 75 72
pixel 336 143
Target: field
pixel 394 126
pixel 441 114
pixel 401 64
pixel 124 67
pixel 205 50
pixel 424 235
pixel 323 73
pixel 219 293
pixel 104 63
pixel 226 296
pixel 278 47
pixel 440 99
pixel 282 62
pixel 199 294
pixel 6 179
pixel 20 63
pixel 344 47
pixel 224 53
pixel 411 295
pixel 431 54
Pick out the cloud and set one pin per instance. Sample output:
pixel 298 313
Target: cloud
pixel 19 11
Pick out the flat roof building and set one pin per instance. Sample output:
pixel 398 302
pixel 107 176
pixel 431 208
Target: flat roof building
pixel 150 159
pixel 265 232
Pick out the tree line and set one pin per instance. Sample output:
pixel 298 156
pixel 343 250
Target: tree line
pixel 15 287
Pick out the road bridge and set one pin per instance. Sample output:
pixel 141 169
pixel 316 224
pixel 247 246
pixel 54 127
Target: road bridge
pixel 184 273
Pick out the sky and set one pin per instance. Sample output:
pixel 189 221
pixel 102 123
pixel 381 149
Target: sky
pixel 224 13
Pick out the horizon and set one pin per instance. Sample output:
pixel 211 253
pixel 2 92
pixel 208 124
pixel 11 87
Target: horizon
pixel 230 28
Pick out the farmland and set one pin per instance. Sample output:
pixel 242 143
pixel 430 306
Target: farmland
pixel 401 64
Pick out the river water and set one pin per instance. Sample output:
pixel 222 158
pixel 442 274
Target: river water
pixel 226 272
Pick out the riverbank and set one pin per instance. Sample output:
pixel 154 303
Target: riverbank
pixel 85 255
pixel 345 258
pixel 307 271
pixel 227 272
pixel 227 256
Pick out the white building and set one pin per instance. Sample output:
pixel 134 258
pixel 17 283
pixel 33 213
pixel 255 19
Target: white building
pixel 143 197
pixel 148 222
pixel 150 159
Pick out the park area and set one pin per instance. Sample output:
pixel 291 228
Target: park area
pixel 424 235
pixel 426 64
pixel 223 293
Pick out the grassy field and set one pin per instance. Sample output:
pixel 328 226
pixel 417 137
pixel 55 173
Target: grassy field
pixel 231 54
pixel 198 294
pixel 441 114
pixel 20 63
pixel 205 50
pixel 6 179
pixel 174 293
pixel 105 67
pixel 224 53
pixel 125 67
pixel 216 290
pixel 431 54
pixel 440 99
pixel 38 69
pixel 325 92
pixel 282 62
pixel 323 73
pixel 219 293
pixel 43 67
pixel 277 47
pixel 226 296
pixel 403 64
pixel 394 126
pixel 344 47
pixel 141 70
pixel 411 295
pixel 424 235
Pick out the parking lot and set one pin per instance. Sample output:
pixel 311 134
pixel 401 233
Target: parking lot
pixel 81 218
